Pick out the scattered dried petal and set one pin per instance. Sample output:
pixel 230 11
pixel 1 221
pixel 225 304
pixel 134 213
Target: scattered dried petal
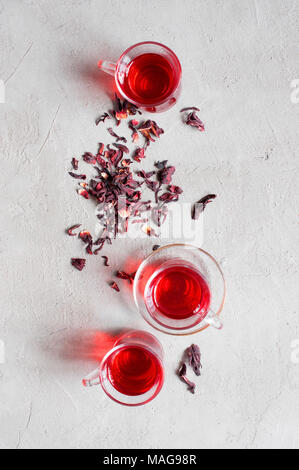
pixel 71 229
pixel 75 163
pixel 118 138
pixel 79 177
pixel 78 263
pixel 84 193
pixel 175 189
pixel 194 121
pixel 138 154
pixel 102 118
pixel 165 174
pixel 85 236
pixel 121 147
pixel 194 356
pixel 106 260
pixel 182 375
pixel 155 247
pixel 89 158
pixel 124 275
pixel 114 286
pixel 191 108
pixel 200 205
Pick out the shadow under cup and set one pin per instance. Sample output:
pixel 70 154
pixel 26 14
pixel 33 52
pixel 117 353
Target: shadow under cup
pixel 180 289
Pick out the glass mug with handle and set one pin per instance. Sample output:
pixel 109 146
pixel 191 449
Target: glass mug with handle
pixel 180 289
pixel 132 372
pixel 148 75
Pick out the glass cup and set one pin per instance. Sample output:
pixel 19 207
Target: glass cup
pixel 132 372
pixel 148 75
pixel 180 289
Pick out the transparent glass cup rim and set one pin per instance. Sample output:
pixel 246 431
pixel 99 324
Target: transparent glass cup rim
pixel 126 52
pixel 147 259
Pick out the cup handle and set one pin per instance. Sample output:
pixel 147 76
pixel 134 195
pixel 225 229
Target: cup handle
pixel 107 66
pixel 213 320
pixel 92 379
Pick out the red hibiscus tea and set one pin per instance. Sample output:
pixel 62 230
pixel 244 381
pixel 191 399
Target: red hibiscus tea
pixel 177 295
pixel 134 370
pixel 150 78
pixel 148 75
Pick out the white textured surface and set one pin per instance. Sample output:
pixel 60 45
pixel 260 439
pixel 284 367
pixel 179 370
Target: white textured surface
pixel 238 59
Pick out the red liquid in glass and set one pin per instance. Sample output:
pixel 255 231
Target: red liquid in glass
pixel 150 78
pixel 133 370
pixel 179 292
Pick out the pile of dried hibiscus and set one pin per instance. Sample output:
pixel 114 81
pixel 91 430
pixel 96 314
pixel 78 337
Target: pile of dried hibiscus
pixel 118 191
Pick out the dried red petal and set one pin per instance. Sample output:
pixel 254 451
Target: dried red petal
pixel 78 263
pixel 79 177
pixel 75 163
pixel 194 121
pixel 126 276
pixel 118 138
pixel 106 260
pixel 182 375
pixel 200 205
pixel 102 118
pixel 190 108
pixel 194 356
pixel 89 248
pixel 89 158
pixel 168 197
pixel 138 154
pixel 84 193
pixel 175 189
pixel 71 229
pixel 121 147
pixel 114 286
pixel 156 130
pixel 165 174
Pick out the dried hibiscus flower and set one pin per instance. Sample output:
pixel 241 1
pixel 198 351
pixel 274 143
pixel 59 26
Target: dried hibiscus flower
pixel 190 108
pixel 126 276
pixel 182 374
pixel 78 263
pixel 200 205
pixel 79 177
pixel 71 229
pixel 123 109
pixel 84 193
pixel 85 236
pixel 75 163
pixel 106 260
pixel 138 154
pixel 118 138
pixel 89 158
pixel 194 356
pixel 114 286
pixel 192 118
pixel 102 118
pixel 132 125
pixel 155 247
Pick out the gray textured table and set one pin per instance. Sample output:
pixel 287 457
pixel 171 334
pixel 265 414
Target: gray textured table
pixel 240 60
